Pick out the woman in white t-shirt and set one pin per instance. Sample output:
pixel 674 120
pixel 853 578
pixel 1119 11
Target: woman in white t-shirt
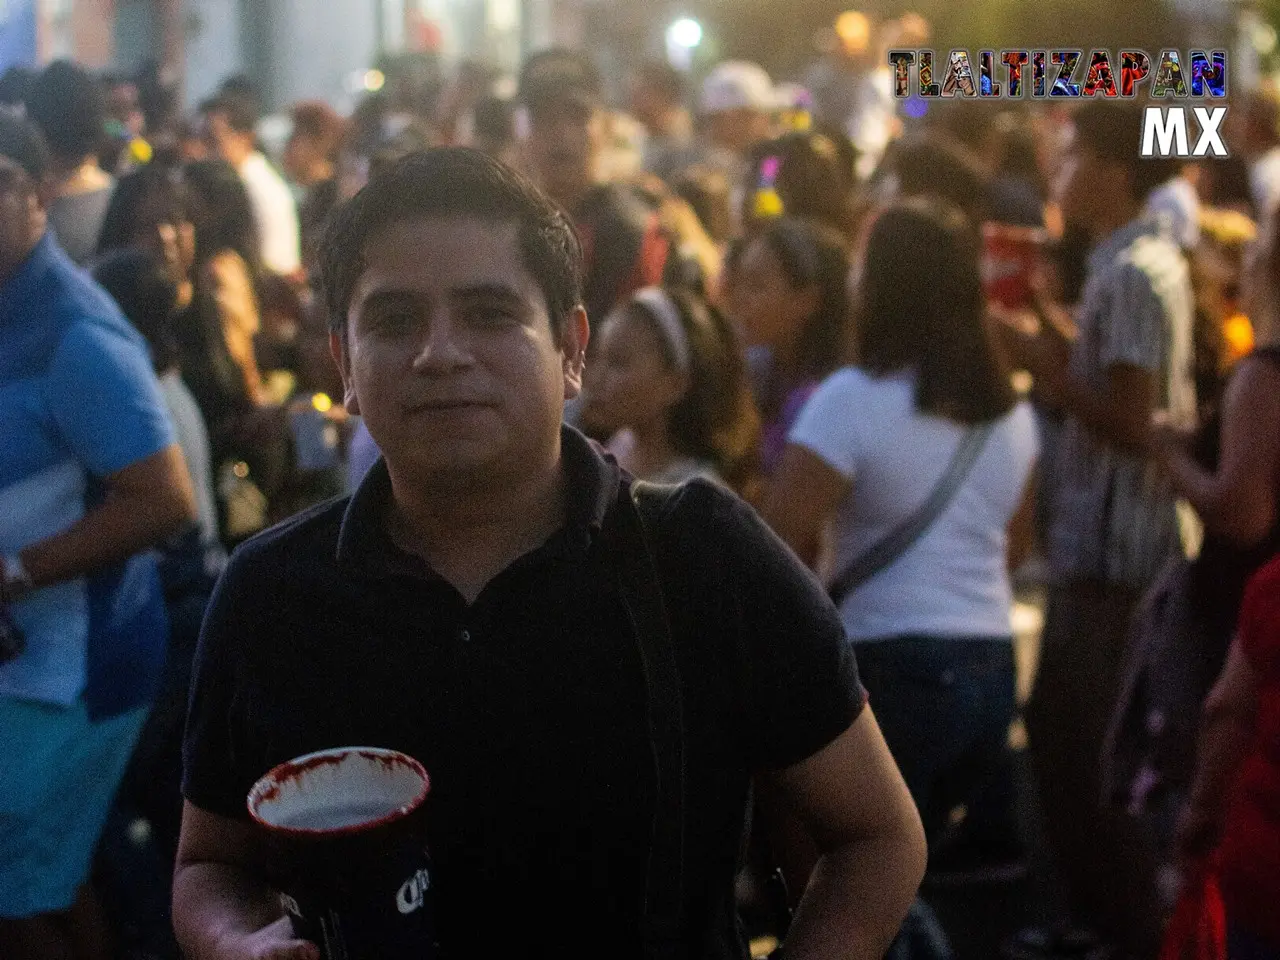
pixel 932 628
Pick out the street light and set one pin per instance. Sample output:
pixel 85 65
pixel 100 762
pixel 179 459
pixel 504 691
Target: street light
pixel 683 37
pixel 685 32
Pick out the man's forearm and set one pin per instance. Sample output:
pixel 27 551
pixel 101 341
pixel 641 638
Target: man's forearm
pixel 856 899
pixel 214 903
pixel 119 528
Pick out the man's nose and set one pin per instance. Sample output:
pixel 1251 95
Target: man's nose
pixel 443 350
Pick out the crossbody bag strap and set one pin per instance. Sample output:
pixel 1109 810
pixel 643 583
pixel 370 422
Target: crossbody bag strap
pixel 629 548
pixel 905 535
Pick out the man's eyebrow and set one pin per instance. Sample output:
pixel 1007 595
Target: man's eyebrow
pixel 388 298
pixel 487 291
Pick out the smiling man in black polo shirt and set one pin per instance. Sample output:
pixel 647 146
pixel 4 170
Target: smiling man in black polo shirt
pixel 486 603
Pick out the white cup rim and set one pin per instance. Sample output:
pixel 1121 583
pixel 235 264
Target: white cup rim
pixel 270 782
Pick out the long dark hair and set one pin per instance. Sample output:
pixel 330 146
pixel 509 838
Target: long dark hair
pixel 222 213
pixel 812 255
pixel 223 220
pixel 716 419
pixel 812 176
pixel 153 184
pixel 921 308
pixel 147 295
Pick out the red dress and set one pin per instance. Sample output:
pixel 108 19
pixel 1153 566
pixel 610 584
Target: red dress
pixel 1251 844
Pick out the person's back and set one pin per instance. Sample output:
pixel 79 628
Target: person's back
pixel 68 107
pixel 921 459
pixel 954 580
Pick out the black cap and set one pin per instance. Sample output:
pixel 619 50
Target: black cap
pixel 559 75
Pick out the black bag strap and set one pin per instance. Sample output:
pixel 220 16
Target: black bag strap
pixel 904 536
pixel 628 546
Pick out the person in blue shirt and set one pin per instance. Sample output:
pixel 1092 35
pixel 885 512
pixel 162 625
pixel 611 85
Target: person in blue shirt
pixel 90 479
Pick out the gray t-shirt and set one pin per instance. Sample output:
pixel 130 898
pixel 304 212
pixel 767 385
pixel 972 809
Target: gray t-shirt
pixel 77 220
pixel 193 438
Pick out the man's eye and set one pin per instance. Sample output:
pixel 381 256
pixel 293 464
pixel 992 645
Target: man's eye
pixel 392 320
pixel 491 315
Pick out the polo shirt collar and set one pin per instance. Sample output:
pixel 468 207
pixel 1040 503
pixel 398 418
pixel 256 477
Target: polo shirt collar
pixel 1118 240
pixel 22 286
pixel 592 481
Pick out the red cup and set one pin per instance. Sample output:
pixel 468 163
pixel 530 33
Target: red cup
pixel 1010 259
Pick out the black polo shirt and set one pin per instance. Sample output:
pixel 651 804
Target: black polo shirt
pixel 527 707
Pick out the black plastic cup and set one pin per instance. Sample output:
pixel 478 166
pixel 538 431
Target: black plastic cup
pixel 349 851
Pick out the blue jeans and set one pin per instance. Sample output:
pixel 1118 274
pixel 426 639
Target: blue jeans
pixel 945 705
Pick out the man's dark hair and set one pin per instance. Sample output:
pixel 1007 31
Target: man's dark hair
pixel 1111 132
pixel 21 142
pixel 241 111
pixel 68 106
pixel 932 164
pixel 15 86
pixel 242 85
pixel 453 181
pixel 495 121
pixel 921 307
pixel 663 78
pixel 559 74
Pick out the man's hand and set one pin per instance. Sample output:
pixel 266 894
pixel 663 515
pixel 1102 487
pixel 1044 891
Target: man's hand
pixel 1048 356
pixel 273 942
pixel 1169 439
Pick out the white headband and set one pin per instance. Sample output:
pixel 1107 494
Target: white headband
pixel 663 309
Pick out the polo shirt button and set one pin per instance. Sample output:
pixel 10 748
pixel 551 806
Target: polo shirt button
pixel 464 635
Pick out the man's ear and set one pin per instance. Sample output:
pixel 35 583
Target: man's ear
pixel 574 336
pixel 338 350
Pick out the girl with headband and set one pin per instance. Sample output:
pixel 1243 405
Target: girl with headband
pixel 669 386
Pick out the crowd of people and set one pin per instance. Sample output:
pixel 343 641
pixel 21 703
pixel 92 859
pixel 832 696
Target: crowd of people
pixel 360 403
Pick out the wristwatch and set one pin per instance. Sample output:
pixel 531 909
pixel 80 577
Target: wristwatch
pixel 17 582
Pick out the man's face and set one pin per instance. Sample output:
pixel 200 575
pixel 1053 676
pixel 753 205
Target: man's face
pixel 219 139
pixel 21 217
pixel 300 157
pixel 1085 187
pixel 564 138
pixel 450 358
pixel 647 104
pixel 738 129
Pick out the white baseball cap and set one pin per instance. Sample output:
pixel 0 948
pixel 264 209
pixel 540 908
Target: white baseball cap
pixel 737 85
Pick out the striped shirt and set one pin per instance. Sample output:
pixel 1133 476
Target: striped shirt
pixel 1114 515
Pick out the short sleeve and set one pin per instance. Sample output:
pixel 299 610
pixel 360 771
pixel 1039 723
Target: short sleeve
pixel 106 399
pixel 211 777
pixel 1259 628
pixel 802 688
pixel 827 424
pixel 1137 327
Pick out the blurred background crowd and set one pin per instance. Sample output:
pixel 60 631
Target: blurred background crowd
pixel 820 297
